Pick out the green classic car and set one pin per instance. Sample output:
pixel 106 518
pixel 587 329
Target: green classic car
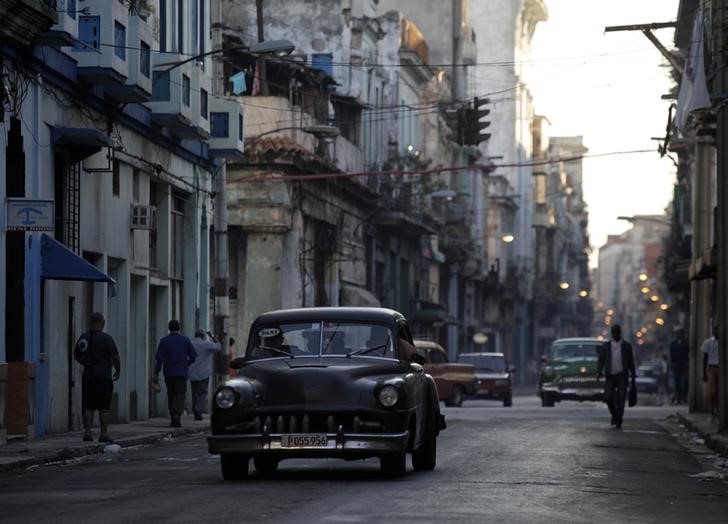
pixel 569 371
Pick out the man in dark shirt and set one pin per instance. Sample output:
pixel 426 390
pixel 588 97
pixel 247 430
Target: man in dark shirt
pixel 680 362
pixel 97 352
pixel 175 353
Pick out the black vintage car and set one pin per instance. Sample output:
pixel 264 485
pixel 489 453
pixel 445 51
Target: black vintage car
pixel 327 382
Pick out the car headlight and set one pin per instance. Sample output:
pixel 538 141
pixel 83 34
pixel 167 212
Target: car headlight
pixel 225 398
pixel 388 396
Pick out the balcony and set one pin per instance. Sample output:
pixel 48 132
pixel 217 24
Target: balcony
pixel 226 127
pixel 65 31
pixel 24 20
pixel 138 85
pixel 99 63
pixel 171 102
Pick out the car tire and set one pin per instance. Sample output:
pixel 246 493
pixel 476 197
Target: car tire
pixel 508 400
pixel 234 467
pixel 456 397
pixel 265 464
pixel 425 457
pixel 393 465
pixel 547 401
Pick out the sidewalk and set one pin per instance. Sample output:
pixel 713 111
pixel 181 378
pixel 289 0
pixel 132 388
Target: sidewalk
pixel 707 429
pixel 24 453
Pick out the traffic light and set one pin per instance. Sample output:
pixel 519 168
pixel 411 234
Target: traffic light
pixel 472 132
pixel 455 119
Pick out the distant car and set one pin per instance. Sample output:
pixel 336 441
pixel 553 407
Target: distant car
pixel 569 371
pixel 454 381
pixel 492 376
pixel 327 382
pixel 648 376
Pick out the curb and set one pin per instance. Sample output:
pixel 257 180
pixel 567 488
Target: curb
pixel 67 453
pixel 716 442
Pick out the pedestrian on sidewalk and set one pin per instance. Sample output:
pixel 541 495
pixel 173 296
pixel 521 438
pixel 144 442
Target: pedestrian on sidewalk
pixel 680 362
pixel 97 352
pixel 201 369
pixel 710 370
pixel 617 361
pixel 175 353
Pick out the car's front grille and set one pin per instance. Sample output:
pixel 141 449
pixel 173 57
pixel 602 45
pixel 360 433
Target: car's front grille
pixel 581 381
pixel 310 423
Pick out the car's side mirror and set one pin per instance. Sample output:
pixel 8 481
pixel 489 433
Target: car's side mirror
pixel 237 362
pixel 418 359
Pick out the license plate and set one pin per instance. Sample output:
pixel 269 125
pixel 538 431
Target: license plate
pixel 312 440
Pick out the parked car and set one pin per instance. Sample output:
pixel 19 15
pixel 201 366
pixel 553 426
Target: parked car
pixel 327 382
pixel 454 381
pixel 569 371
pixel 492 376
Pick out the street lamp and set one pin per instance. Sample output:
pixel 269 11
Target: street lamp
pixel 564 285
pixel 643 277
pixel 583 293
pixel 508 238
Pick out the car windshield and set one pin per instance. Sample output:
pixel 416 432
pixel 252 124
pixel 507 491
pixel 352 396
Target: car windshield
pixel 321 338
pixel 565 351
pixel 485 362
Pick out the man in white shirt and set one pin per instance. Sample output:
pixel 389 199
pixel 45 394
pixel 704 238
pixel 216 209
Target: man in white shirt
pixel 710 370
pixel 200 371
pixel 617 361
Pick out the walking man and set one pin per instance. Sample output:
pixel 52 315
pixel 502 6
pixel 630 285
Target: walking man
pixel 201 369
pixel 617 362
pixel 175 353
pixel 710 370
pixel 680 362
pixel 97 352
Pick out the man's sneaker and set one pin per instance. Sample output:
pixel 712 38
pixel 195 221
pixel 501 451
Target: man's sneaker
pixel 87 437
pixel 619 425
pixel 105 438
pixel 175 423
pixel 614 420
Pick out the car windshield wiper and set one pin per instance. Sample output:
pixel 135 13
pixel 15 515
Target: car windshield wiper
pixel 278 350
pixel 363 351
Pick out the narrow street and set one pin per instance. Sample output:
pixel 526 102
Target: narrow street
pixel 523 464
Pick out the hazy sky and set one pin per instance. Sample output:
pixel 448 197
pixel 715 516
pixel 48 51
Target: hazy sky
pixel 607 87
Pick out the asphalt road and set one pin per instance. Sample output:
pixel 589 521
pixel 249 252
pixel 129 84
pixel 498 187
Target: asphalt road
pixel 495 464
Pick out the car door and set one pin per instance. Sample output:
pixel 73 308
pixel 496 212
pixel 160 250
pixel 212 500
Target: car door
pixel 419 383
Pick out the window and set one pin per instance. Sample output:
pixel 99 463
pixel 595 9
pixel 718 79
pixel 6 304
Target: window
pixel 219 125
pixel 240 127
pixel 202 31
pixel 203 104
pixel 177 237
pixel 71 8
pixel 135 185
pixel 88 33
pixel 120 40
pixel 145 59
pixel 160 86
pixel 180 26
pixel 163 25
pixel 116 179
pixel 186 90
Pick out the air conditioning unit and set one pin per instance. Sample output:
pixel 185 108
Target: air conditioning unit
pixel 106 23
pixel 143 217
pixel 226 127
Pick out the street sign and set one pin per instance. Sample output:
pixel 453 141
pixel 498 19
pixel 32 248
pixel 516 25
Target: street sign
pixel 25 214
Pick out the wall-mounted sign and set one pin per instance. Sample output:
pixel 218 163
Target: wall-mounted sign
pixel 25 214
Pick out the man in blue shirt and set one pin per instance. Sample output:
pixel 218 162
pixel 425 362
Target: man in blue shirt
pixel 175 353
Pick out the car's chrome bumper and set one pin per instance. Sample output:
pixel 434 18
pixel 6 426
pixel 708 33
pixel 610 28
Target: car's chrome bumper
pixel 366 443
pixel 573 392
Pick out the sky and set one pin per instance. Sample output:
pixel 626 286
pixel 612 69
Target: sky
pixel 607 87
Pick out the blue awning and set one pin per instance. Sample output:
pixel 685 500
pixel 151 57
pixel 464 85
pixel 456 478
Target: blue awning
pixel 60 263
pixel 80 142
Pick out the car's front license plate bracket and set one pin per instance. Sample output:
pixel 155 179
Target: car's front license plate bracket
pixel 304 440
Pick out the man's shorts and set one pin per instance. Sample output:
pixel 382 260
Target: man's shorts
pixel 96 393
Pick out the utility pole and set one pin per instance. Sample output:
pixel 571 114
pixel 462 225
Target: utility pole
pixel 721 84
pixel 220 265
pixel 261 63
